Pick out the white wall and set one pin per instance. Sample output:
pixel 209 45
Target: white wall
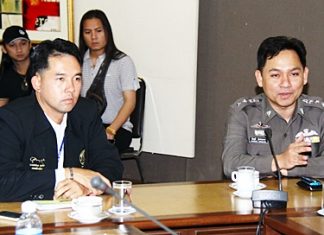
pixel 161 37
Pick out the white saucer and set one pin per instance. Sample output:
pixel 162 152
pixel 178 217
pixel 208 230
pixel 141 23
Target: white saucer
pixel 125 211
pixel 321 212
pixel 247 196
pixel 89 220
pixel 259 186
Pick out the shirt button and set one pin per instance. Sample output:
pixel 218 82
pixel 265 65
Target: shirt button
pixel 285 135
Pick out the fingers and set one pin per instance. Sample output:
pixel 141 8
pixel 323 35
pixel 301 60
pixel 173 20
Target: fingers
pixel 302 149
pixel 109 136
pixel 69 189
pixel 99 192
pixel 295 155
pixel 107 181
pixel 84 176
pixel 83 179
pixel 299 139
pixel 299 147
pixel 284 172
pixel 301 160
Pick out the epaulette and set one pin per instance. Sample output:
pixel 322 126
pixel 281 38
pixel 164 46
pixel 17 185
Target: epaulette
pixel 245 101
pixel 313 101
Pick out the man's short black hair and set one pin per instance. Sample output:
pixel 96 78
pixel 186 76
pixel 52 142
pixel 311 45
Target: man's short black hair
pixel 48 48
pixel 272 46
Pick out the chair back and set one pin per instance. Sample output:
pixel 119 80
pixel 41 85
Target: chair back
pixel 137 116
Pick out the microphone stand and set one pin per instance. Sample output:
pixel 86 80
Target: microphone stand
pixel 96 182
pixel 271 198
pixel 268 134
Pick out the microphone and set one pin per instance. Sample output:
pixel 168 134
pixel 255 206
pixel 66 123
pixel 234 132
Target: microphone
pixel 268 134
pixel 98 183
pixel 271 198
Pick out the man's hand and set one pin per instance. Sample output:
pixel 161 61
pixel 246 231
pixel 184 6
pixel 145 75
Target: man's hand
pixel 109 136
pixel 69 189
pixel 293 155
pixel 84 176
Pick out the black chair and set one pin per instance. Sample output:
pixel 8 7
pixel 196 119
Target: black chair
pixel 137 119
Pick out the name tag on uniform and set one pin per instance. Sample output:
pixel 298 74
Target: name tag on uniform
pixel 258 140
pixel 259 134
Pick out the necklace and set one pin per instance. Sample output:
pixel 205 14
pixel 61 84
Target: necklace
pixel 24 84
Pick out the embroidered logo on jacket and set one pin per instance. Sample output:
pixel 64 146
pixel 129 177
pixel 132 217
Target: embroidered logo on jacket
pixel 37 164
pixel 82 158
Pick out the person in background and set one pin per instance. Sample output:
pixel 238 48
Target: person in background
pixel 109 77
pixel 296 119
pixel 54 141
pixel 14 77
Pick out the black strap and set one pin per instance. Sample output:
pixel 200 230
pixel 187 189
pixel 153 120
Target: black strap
pixel 96 91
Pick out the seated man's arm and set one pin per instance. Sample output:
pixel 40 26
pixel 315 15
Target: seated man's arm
pixel 17 181
pixel 98 158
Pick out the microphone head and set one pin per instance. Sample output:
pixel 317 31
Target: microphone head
pixel 97 183
pixel 268 133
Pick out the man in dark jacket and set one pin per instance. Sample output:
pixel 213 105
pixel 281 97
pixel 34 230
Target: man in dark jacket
pixel 52 144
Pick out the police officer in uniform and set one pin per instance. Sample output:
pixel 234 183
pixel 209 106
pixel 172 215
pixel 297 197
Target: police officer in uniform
pixel 296 119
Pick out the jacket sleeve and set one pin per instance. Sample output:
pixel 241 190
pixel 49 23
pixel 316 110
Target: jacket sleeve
pixel 235 152
pixel 103 157
pixel 17 181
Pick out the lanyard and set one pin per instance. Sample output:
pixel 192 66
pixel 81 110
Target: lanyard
pixel 61 148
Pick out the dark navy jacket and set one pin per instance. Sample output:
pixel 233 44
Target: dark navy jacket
pixel 28 148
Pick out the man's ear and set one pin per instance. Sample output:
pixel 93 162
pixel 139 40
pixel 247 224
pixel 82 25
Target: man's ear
pixel 306 72
pixel 36 82
pixel 258 77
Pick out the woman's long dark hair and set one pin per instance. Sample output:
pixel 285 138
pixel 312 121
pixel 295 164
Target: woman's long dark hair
pixel 111 51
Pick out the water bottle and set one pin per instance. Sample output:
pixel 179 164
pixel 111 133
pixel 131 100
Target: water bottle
pixel 29 223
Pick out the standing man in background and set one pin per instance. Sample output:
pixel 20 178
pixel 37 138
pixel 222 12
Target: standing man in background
pixel 295 119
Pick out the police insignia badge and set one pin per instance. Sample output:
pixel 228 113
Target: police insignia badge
pixel 310 136
pixel 82 158
pixel 259 134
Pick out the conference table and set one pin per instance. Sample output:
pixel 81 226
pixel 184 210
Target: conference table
pixel 307 222
pixel 185 207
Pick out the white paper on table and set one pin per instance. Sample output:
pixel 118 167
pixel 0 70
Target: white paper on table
pixel 52 204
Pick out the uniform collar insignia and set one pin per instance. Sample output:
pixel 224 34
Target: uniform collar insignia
pixel 260 125
pixel 301 110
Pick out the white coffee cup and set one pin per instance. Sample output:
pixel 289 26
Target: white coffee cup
pixel 256 179
pixel 243 205
pixel 245 180
pixel 87 206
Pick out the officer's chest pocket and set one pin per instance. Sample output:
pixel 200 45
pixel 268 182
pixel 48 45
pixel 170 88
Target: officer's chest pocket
pixel 258 149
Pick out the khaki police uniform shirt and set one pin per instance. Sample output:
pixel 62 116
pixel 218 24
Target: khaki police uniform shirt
pixel 245 142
